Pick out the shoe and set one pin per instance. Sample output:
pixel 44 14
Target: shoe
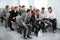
pixel 12 29
pixel 45 31
pixel 25 37
pixel 36 35
pixel 29 37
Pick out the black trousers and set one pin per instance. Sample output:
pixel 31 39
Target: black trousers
pixel 38 26
pixel 42 26
pixel 35 27
pixel 54 23
pixel 10 24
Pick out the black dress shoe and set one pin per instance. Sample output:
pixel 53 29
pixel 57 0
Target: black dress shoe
pixel 36 35
pixel 29 37
pixel 25 37
pixel 12 29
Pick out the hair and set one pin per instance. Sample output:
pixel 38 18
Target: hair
pixel 28 10
pixel 23 6
pixel 42 8
pixel 19 5
pixel 7 6
pixel 30 5
pixel 50 8
pixel 15 7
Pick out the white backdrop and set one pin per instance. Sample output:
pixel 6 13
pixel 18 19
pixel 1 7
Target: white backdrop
pixel 3 3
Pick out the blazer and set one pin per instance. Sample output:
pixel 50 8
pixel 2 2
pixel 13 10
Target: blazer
pixel 33 17
pixel 24 18
pixel 13 14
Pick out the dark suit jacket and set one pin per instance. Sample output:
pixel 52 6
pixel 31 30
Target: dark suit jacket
pixel 13 14
pixel 33 17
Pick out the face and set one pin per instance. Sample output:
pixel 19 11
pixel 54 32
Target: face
pixel 43 10
pixel 20 7
pixel 7 7
pixel 29 13
pixel 16 9
pixel 23 8
pixel 49 10
pixel 31 8
pixel 12 8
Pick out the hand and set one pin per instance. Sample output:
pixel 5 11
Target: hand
pixel 13 17
pixel 37 19
pixel 12 22
pixel 39 22
pixel 23 23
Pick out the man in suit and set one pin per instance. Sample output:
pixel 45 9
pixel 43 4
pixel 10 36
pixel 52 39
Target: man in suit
pixel 12 18
pixel 6 15
pixel 25 24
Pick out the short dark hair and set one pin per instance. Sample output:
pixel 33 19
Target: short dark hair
pixel 30 5
pixel 16 7
pixel 19 5
pixel 43 8
pixel 28 10
pixel 23 6
pixel 49 8
pixel 7 6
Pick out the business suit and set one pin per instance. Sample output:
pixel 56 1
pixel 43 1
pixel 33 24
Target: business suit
pixel 27 27
pixel 12 14
pixel 6 15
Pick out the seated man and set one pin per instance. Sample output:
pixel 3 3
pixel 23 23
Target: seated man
pixel 25 25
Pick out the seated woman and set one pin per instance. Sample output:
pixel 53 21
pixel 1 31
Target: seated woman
pixel 52 18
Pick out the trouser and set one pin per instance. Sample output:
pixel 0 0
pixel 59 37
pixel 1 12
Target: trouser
pixel 54 24
pixel 26 30
pixel 6 23
pixel 48 24
pixel 35 27
pixel 42 26
pixel 2 19
pixel 10 24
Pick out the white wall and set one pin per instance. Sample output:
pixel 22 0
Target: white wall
pixel 56 6
pixel 3 3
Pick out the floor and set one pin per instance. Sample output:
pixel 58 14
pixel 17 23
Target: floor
pixel 6 34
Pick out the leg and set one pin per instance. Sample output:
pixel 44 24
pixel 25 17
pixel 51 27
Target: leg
pixel 10 25
pixel 43 27
pixel 29 30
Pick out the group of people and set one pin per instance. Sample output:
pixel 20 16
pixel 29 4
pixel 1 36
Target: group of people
pixel 30 20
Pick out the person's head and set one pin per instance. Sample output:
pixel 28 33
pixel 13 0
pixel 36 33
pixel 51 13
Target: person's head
pixel 49 9
pixel 12 7
pixel 7 7
pixel 23 7
pixel 37 11
pixel 30 7
pixel 19 6
pixel 29 11
pixel 16 8
pixel 43 9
